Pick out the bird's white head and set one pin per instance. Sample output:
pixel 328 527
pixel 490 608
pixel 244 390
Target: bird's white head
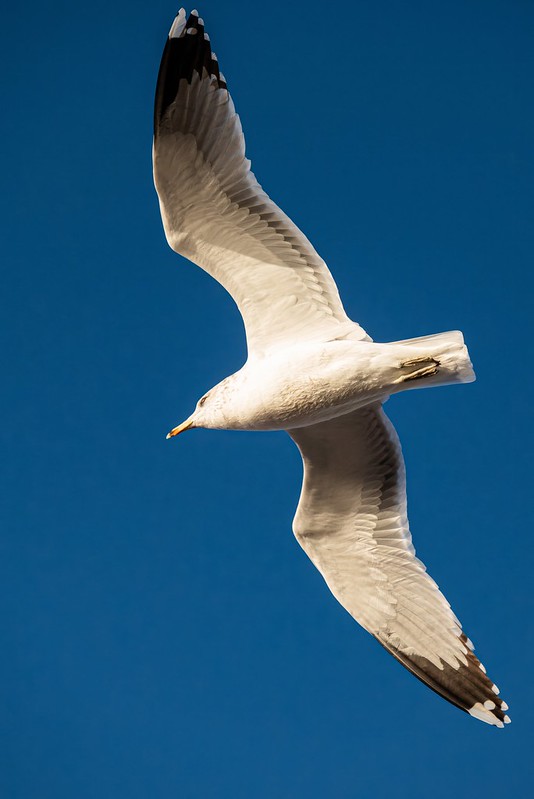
pixel 209 411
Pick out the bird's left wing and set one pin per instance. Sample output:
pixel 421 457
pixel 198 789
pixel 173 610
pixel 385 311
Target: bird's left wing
pixel 216 214
pixel 352 522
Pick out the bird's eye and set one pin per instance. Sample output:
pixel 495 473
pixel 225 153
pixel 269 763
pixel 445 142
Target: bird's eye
pixel 202 401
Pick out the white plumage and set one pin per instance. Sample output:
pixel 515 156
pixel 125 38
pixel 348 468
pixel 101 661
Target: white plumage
pixel 311 371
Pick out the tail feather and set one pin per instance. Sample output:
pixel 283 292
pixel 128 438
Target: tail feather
pixel 442 358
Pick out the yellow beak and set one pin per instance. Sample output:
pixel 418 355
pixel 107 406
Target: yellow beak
pixel 180 429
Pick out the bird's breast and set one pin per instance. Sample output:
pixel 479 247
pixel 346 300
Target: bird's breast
pixel 305 385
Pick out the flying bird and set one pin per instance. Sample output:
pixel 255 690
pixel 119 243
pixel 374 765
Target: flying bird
pixel 311 371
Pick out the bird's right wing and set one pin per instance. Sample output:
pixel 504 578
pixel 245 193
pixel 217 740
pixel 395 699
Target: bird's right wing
pixel 216 214
pixel 352 522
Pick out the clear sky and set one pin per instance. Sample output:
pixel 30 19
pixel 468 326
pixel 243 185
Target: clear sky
pixel 163 634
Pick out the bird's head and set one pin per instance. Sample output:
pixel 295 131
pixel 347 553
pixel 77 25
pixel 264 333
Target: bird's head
pixel 209 411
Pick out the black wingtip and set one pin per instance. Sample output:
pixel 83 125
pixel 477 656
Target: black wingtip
pixel 467 686
pixel 187 50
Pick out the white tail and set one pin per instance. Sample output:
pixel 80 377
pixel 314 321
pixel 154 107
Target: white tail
pixel 435 360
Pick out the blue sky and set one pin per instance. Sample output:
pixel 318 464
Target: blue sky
pixel 163 634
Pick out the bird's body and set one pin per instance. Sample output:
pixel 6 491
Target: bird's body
pixel 311 371
pixel 310 383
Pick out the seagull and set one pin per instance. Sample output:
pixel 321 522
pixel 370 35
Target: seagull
pixel 312 372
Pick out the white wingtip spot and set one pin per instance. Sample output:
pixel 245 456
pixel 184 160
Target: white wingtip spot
pixel 207 37
pixel 194 13
pixel 495 689
pixel 489 705
pixel 504 706
pixel 507 720
pixel 191 31
pixel 178 25
pixel 482 668
pixel 478 711
pixel 214 57
pixel 201 21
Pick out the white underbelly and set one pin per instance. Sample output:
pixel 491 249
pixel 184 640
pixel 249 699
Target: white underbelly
pixel 307 385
